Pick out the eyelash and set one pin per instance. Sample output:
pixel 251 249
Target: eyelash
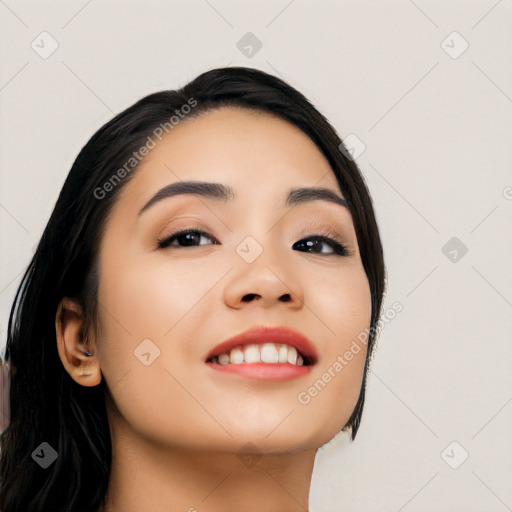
pixel 326 236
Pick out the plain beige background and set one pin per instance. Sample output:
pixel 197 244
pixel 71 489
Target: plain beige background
pixel 425 89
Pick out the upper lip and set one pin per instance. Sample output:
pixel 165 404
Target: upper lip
pixel 263 334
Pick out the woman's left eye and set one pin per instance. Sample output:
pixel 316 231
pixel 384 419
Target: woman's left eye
pixel 316 242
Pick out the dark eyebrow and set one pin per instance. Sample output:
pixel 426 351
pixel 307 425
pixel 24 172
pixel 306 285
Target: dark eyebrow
pixel 307 194
pixel 199 188
pixel 225 193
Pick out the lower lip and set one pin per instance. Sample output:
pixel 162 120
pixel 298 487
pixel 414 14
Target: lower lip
pixel 263 371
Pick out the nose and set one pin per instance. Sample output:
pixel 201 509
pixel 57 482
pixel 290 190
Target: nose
pixel 265 282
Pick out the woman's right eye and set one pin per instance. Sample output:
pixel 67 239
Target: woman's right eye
pixel 186 238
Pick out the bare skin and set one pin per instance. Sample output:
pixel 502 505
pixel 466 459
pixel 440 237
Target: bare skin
pixel 186 437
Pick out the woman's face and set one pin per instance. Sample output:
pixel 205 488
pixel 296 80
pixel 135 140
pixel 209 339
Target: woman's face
pixel 163 309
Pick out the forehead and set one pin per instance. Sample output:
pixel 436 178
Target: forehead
pixel 255 152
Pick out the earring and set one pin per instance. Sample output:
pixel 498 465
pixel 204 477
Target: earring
pixel 87 353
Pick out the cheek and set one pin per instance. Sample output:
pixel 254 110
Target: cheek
pixel 327 400
pixel 331 393
pixel 342 307
pixel 147 300
pixel 149 320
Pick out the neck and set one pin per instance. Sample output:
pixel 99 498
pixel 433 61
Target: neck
pixel 146 477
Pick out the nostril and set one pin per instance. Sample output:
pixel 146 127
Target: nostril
pixel 249 297
pixel 286 297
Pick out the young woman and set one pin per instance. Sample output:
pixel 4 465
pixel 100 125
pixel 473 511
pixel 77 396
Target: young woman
pixel 200 313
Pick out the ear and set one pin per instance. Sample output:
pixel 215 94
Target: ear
pixel 69 322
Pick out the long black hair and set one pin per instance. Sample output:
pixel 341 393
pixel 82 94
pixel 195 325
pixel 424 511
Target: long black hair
pixel 46 404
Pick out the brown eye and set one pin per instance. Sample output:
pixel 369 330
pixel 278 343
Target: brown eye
pixel 316 242
pixel 186 238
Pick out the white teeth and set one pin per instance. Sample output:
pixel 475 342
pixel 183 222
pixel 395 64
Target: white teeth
pixel 292 355
pixel 236 356
pixel 223 359
pixel 283 354
pixel 269 353
pixel 266 353
pixel 252 354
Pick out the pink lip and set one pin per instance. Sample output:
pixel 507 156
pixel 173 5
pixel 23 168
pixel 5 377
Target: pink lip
pixel 263 371
pixel 260 335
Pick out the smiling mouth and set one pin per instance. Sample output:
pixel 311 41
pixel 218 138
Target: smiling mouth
pixel 268 353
